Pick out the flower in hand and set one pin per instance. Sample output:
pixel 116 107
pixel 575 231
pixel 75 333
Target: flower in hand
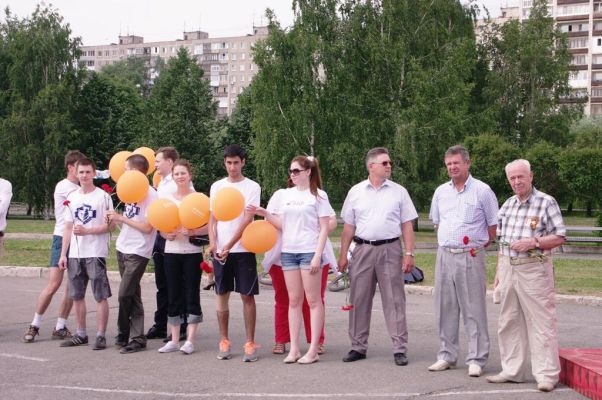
pixel 466 240
pixel 107 188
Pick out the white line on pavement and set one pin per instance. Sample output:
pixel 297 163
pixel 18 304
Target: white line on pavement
pixel 287 395
pixel 20 357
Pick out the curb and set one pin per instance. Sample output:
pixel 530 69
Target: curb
pixel 41 272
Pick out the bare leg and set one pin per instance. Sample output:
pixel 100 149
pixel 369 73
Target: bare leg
pixel 55 279
pixel 312 284
pixel 80 314
pixel 250 315
pixel 102 315
pixel 223 314
pixel 294 286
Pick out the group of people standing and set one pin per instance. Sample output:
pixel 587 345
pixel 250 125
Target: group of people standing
pixel 377 212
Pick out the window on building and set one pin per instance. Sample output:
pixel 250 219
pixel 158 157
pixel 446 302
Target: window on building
pixel 107 53
pixel 233 68
pixel 596 92
pixel 579 59
pixel 596 76
pixel 578 75
pixel 233 57
pixel 572 9
pixel 241 67
pixel 90 63
pixel 578 43
pixel 251 67
pixel 243 56
pixel 596 58
pixel 596 110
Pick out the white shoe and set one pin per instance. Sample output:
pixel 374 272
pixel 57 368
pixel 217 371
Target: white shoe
pixel 442 365
pixel 474 370
pixel 169 347
pixel 187 348
pixel 545 386
pixel 499 378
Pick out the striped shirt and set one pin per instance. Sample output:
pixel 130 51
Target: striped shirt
pixel 467 213
pixel 537 216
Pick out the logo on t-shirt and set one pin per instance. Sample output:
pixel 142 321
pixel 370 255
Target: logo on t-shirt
pixel 131 210
pixel 85 213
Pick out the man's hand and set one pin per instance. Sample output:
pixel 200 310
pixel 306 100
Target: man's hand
pixel 343 262
pixel 169 236
pixel 113 216
pixel 407 264
pixel 523 245
pixel 80 230
pixel 63 263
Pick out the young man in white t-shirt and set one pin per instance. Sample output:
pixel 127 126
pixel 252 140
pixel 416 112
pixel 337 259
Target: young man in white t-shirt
pixel 234 266
pixel 134 249
pixel 84 251
pixel 55 276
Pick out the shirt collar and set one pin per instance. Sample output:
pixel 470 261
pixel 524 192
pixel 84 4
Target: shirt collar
pixel 466 184
pixel 369 185
pixel 534 193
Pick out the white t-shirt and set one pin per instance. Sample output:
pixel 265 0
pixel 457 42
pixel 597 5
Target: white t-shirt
pixel 272 257
pixel 6 193
pixel 167 186
pixel 131 240
pixel 226 229
pixel 89 210
pixel 300 211
pixel 181 244
pixel 61 191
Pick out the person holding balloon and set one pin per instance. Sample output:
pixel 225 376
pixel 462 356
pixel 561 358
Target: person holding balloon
pixel 182 260
pixel 134 249
pixel 303 214
pixel 234 266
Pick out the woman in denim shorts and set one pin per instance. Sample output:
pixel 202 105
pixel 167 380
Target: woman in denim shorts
pixel 302 213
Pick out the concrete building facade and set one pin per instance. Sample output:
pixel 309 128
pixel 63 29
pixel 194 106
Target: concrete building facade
pixel 227 62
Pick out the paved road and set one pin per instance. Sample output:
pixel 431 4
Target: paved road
pixel 42 370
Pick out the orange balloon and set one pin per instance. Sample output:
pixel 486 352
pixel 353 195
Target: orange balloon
pixel 259 236
pixel 227 204
pixel 132 186
pixel 156 180
pixel 163 215
pixel 117 164
pixel 194 210
pixel 149 154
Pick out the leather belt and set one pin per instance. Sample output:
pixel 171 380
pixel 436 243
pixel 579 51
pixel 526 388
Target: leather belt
pixel 527 260
pixel 359 240
pixel 458 250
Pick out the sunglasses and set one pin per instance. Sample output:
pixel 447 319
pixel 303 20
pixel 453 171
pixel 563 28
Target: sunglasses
pixel 295 171
pixel 384 163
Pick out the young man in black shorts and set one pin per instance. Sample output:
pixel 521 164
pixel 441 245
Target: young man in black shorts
pixel 234 266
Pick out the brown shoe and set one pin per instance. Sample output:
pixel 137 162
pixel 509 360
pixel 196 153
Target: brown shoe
pixel 31 334
pixel 61 334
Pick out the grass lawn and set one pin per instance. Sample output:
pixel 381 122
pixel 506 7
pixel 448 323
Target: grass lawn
pixel 29 225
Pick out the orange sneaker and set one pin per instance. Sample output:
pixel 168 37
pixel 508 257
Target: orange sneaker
pixel 224 350
pixel 250 352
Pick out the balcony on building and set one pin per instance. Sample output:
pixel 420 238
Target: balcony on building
pixel 131 39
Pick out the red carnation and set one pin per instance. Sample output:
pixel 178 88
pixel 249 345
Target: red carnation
pixel 466 240
pixel 473 252
pixel 106 188
pixel 66 202
pixel 206 267
pixel 347 307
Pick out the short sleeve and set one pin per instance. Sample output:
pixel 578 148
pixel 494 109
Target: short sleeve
pixel 347 212
pixel 274 203
pixel 324 208
pixel 434 212
pixel 490 206
pixel 254 195
pixel 408 211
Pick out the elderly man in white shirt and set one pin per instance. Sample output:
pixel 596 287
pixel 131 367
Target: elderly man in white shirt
pixel 6 193
pixel 376 213
pixel 464 211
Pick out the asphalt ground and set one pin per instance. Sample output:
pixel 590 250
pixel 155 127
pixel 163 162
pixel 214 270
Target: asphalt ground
pixel 43 370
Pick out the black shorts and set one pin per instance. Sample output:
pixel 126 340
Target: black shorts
pixel 238 274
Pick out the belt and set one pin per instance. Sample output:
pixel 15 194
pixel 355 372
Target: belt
pixel 359 240
pixel 526 260
pixel 458 250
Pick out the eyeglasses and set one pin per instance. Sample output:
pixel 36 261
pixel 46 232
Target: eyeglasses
pixel 384 163
pixel 295 171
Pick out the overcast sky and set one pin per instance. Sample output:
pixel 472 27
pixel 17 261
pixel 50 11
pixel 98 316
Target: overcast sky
pixel 101 21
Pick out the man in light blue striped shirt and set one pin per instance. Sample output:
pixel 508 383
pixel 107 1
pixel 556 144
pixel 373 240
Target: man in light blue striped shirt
pixel 464 212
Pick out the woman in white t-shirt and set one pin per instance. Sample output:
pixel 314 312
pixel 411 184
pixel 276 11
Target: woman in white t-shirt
pixel 302 214
pixel 182 260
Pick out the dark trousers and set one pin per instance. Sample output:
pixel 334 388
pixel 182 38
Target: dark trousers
pixel 162 290
pixel 130 320
pixel 183 281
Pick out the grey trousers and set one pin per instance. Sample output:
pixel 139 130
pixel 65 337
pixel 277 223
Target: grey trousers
pixel 382 265
pixel 130 320
pixel 460 288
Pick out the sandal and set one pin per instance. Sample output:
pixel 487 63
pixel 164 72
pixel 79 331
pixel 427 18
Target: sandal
pixel 321 349
pixel 279 348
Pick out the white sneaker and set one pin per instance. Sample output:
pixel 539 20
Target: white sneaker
pixel 169 347
pixel 545 386
pixel 187 348
pixel 442 365
pixel 474 370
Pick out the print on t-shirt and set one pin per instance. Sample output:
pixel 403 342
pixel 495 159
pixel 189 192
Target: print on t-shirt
pixel 85 213
pixel 131 210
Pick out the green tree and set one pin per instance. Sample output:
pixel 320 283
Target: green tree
pixel 134 70
pixel 581 171
pixel 544 158
pixel 587 133
pixel 181 113
pixel 40 81
pixel 529 78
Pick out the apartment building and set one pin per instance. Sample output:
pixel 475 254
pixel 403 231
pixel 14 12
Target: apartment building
pixel 582 21
pixel 226 61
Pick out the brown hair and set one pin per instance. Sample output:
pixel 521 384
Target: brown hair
pixel 182 163
pixel 169 152
pixel 311 163
pixel 373 153
pixel 458 149
pixel 72 157
pixel 139 162
pixel 85 162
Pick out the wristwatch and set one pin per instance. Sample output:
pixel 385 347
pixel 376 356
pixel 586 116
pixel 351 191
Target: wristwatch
pixel 409 253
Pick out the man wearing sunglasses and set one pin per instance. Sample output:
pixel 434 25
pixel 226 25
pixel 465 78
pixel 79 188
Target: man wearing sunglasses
pixel 464 212
pixel 376 213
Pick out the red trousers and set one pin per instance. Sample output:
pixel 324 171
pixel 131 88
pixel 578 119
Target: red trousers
pixel 282 334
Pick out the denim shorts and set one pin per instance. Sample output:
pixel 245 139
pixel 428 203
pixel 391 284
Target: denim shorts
pixel 55 250
pixel 292 261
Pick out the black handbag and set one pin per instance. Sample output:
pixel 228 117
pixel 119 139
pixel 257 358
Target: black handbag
pixel 201 240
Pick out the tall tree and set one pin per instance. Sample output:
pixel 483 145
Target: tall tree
pixel 181 113
pixel 38 61
pixel 529 76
